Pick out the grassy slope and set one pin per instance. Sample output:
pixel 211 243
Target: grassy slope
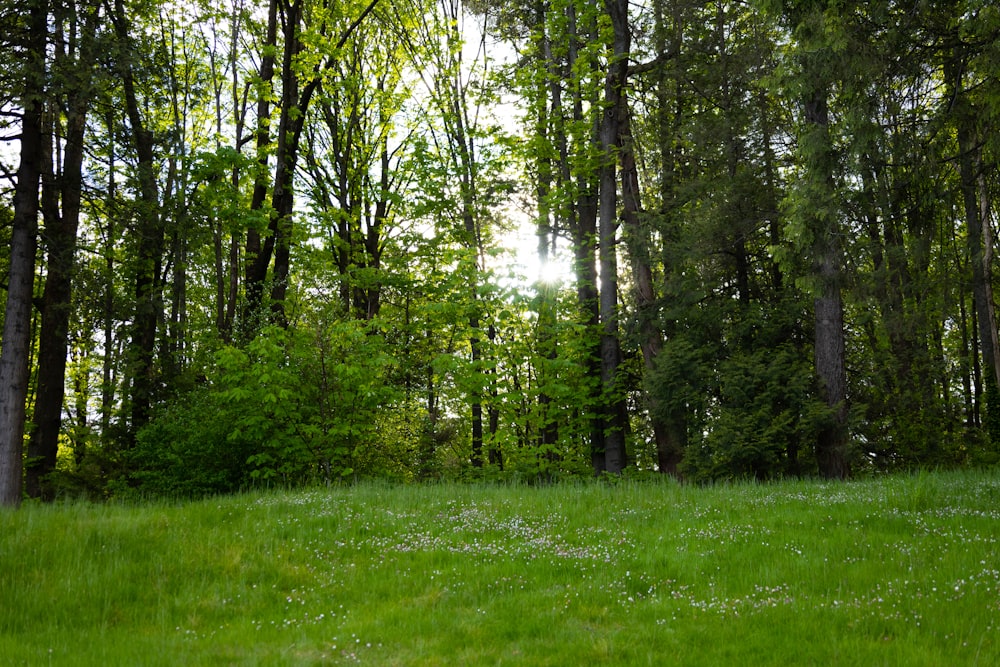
pixel 898 571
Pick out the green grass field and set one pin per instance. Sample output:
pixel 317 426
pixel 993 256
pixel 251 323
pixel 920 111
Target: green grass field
pixel 895 571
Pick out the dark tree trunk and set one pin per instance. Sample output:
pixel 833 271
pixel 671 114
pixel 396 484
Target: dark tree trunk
pixel 150 240
pixel 668 446
pixel 829 347
pixel 253 279
pixel 493 411
pixel 585 264
pixel 62 188
pixel 108 380
pixel 293 111
pixel 475 326
pixel 16 346
pixel 831 445
pixel 613 399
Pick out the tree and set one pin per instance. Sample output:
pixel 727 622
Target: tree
pixel 668 414
pixel 149 230
pixel 300 77
pixel 458 144
pixel 638 243
pixel 815 224
pixel 355 167
pixel 700 217
pixel 970 125
pixel 14 357
pixel 611 131
pixel 62 186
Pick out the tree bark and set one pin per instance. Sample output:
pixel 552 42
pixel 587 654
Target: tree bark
pixel 62 188
pixel 253 279
pixel 613 403
pixel 978 238
pixel 16 346
pixel 829 346
pixel 668 446
pixel 150 240
pixel 290 124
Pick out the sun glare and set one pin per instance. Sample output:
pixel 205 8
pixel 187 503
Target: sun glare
pixel 526 268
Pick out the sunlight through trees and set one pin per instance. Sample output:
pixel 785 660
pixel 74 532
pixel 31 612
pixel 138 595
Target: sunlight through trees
pixel 306 241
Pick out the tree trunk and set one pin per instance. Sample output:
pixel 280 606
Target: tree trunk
pixel 108 380
pixel 584 238
pixel 581 218
pixel 829 347
pixel 978 239
pixel 253 279
pixel 150 244
pixel 62 188
pixel 293 111
pixel 470 227
pixel 16 346
pixel 668 451
pixel 613 403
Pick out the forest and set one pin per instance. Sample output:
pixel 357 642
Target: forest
pixel 309 241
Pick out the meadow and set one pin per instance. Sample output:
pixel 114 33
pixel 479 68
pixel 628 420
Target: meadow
pixel 900 570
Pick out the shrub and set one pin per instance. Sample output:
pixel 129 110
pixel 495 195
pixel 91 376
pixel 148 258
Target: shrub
pixel 294 406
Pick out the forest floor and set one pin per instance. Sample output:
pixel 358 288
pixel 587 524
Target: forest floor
pixel 900 570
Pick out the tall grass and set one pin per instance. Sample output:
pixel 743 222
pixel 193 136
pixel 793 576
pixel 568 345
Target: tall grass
pixel 895 571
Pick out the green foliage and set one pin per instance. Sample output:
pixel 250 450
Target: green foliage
pixel 403 190
pixel 765 419
pixel 295 406
pixel 188 450
pixel 309 398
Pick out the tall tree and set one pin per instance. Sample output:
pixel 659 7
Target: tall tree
pixel 639 244
pixel 970 130
pixel 300 77
pixel 449 79
pixel 73 67
pixel 668 413
pixel 16 348
pixel 149 229
pixel 355 169
pixel 611 131
pixel 818 218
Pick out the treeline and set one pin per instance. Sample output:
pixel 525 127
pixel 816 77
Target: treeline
pixel 269 244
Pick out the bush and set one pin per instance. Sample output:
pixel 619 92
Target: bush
pixel 295 406
pixel 189 449
pixel 765 420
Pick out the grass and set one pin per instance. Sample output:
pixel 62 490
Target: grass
pixel 901 570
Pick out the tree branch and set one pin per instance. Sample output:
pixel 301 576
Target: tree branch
pixel 642 68
pixel 351 28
